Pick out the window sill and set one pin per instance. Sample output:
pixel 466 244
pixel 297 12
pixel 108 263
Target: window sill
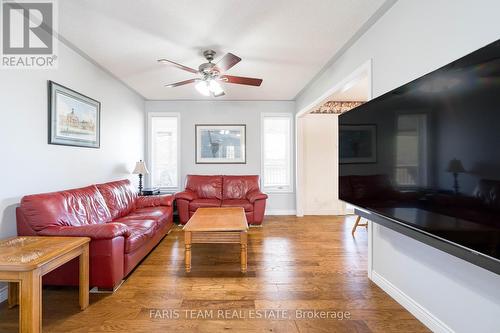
pixel 169 190
pixel 275 191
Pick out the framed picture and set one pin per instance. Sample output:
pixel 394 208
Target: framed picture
pixel 358 144
pixel 218 144
pixel 74 119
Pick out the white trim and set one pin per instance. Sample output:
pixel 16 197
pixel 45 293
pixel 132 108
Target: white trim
pixel 335 212
pixel 4 292
pixel 299 164
pixel 420 312
pixel 288 189
pixel 371 227
pixel 280 212
pixel 150 115
pixel 367 66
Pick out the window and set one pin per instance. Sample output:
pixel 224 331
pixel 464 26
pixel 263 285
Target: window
pixel 277 152
pixel 163 146
pixel 411 150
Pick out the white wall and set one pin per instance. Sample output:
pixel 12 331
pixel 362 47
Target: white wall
pixel 227 112
pixel 320 163
pixel 30 165
pixel 411 39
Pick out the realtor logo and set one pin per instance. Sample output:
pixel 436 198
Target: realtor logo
pixel 28 34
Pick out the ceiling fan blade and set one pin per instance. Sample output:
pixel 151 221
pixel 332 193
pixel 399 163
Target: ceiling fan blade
pixel 249 81
pixel 189 69
pixel 181 83
pixel 227 61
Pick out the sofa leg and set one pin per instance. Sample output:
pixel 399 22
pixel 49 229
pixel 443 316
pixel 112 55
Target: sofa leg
pixel 97 290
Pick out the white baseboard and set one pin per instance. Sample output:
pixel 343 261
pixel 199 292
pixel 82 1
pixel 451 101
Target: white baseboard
pixel 4 290
pixel 421 313
pixel 281 211
pixel 324 212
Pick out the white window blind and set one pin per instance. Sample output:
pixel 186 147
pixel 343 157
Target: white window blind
pixel 164 151
pixel 277 153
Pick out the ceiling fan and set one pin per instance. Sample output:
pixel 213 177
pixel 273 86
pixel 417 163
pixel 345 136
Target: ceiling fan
pixel 212 73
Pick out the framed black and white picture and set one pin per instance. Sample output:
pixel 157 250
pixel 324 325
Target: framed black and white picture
pixel 74 119
pixel 220 144
pixel 358 144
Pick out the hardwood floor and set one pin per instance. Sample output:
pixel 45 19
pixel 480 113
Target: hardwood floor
pixel 310 263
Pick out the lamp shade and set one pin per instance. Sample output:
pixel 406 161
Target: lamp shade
pixel 140 168
pixel 455 166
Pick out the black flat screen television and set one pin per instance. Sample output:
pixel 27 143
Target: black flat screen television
pixel 426 156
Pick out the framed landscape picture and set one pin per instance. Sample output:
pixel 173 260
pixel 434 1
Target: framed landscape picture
pixel 74 119
pixel 358 144
pixel 220 144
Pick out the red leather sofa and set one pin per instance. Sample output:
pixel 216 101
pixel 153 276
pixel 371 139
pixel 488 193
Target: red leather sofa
pixel 123 227
pixel 374 191
pixel 483 206
pixel 222 191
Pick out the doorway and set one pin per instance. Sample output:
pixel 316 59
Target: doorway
pixel 317 146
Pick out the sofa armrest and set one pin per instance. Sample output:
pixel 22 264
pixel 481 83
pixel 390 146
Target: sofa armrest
pixel 94 231
pixel 255 195
pixel 186 195
pixel 154 201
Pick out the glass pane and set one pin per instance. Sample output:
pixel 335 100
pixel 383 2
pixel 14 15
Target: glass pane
pixel 164 151
pixel 410 149
pixel 276 151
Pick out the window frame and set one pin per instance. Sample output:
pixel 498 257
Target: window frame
pixel 423 153
pixel 150 116
pixel 277 189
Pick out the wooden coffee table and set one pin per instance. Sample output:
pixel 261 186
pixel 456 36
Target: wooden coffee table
pixel 23 262
pixel 217 226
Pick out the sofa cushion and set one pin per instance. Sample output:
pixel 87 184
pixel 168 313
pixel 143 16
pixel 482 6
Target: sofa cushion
pixel 238 203
pixel 148 224
pixel 74 207
pixel 158 214
pixel 120 197
pixel 205 187
pixel 140 233
pixel 237 187
pixel 201 203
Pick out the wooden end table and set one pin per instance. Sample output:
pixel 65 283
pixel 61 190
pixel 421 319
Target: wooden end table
pixel 23 262
pixel 217 226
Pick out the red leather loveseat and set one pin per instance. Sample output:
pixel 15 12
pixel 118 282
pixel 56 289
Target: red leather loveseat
pixel 222 191
pixel 374 191
pixel 123 227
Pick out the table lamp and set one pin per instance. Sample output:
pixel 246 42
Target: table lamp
pixel 140 169
pixel 455 167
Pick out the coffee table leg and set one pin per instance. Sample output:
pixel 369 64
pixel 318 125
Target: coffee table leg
pixel 187 242
pixel 13 294
pixel 31 302
pixel 84 277
pixel 243 243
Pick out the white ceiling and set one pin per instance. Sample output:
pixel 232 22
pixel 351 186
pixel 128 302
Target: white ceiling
pixel 284 42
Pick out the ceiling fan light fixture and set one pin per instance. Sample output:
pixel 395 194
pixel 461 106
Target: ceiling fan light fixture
pixel 211 74
pixel 215 88
pixel 203 88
